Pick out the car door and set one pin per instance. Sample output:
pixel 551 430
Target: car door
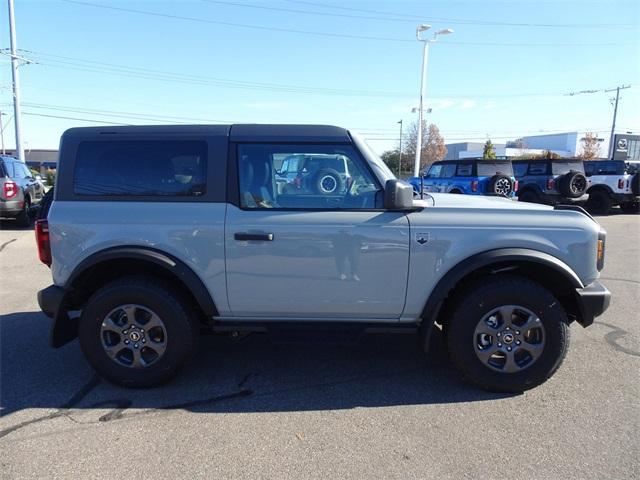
pixel 312 255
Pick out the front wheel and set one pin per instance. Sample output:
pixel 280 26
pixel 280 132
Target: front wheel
pixel 599 202
pixel 136 332
pixel 24 218
pixel 507 334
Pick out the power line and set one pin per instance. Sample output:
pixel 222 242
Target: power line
pixel 330 34
pixel 239 25
pixel 72 118
pixel 93 66
pixel 465 21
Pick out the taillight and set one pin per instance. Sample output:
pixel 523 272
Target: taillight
pixel 551 184
pixel 621 183
pixel 10 190
pixel 474 186
pixel 515 186
pixel 42 240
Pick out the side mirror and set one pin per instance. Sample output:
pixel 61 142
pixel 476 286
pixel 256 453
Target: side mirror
pixel 398 195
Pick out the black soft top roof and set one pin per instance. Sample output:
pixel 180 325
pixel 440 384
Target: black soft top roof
pixel 236 132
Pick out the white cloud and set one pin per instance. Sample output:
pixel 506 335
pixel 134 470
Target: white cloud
pixel 468 104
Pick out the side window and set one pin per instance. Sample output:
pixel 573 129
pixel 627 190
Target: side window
pixel 538 168
pixel 326 177
pixel 589 168
pixel 448 170
pixel 434 171
pixel 465 170
pixel 18 171
pixel 27 173
pixel 606 168
pixel 520 169
pixel 141 168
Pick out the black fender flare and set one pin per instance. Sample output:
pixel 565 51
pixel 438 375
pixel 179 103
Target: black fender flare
pixel 529 187
pixel 483 260
pixel 165 260
pixel 65 328
pixel 600 186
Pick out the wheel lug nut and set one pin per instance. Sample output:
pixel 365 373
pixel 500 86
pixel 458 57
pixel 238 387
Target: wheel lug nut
pixel 517 332
pixel 144 341
pixel 508 348
pixel 498 333
pixel 500 345
pixel 517 342
pixel 136 346
pixel 125 331
pixel 126 342
pixel 142 329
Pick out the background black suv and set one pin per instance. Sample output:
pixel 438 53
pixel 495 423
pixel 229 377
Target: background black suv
pixel 20 191
pixel 550 181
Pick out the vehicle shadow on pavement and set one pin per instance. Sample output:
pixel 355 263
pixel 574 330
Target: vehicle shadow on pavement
pixel 255 373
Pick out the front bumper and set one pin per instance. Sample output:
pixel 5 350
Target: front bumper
pixel 592 301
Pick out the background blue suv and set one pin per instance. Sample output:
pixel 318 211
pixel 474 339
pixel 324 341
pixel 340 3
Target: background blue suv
pixel 471 177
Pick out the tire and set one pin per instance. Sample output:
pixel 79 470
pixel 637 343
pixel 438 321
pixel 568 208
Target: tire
pixel 573 184
pixel 635 184
pixel 529 196
pixel 328 182
pixel 599 202
pixel 630 207
pixel 500 185
pixel 24 218
pixel 532 301
pixel 176 343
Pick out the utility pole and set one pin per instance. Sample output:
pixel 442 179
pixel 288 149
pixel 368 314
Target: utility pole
pixel 16 82
pixel 2 132
pixel 615 114
pixel 400 152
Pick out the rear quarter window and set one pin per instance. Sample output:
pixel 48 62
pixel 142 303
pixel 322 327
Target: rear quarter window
pixel 520 169
pixel 538 168
pixel 465 170
pixel 141 168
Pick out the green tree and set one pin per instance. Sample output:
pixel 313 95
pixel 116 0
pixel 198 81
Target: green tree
pixel 489 152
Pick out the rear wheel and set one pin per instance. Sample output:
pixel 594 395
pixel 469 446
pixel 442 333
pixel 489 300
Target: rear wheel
pixel 507 334
pixel 24 218
pixel 529 196
pixel 136 332
pixel 599 202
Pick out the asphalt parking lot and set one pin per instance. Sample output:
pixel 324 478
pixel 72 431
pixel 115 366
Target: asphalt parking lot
pixel 269 407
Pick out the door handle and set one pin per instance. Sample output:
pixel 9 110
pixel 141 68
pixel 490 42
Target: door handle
pixel 262 237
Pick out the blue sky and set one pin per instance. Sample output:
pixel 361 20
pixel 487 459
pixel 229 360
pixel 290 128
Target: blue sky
pixel 504 73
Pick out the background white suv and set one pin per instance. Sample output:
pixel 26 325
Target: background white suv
pixel 610 183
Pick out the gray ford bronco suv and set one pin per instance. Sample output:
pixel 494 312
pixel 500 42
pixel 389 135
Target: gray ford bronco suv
pixel 158 232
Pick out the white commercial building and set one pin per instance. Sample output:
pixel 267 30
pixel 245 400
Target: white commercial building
pixel 567 144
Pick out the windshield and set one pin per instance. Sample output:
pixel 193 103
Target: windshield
pixel 489 169
pixel 560 168
pixel 380 168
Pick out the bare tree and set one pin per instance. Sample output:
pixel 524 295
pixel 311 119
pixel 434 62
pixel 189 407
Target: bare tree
pixel 590 146
pixel 433 148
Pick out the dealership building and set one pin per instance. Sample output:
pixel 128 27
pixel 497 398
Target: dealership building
pixel 568 144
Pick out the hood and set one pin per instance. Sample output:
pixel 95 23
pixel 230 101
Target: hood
pixel 451 200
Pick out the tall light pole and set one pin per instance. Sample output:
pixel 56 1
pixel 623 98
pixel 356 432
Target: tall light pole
pixel 425 59
pixel 16 82
pixel 400 152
